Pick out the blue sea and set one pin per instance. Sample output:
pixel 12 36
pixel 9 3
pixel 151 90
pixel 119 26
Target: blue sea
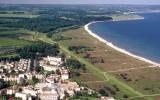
pixel 140 37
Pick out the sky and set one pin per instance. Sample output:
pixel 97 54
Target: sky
pixel 148 2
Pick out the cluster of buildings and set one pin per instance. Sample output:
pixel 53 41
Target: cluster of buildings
pixel 51 63
pixel 48 90
pixel 10 71
pixel 14 67
pixel 54 86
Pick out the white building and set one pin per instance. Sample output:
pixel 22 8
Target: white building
pixel 55 61
pixel 70 87
pixel 10 91
pixel 50 68
pixel 51 63
pixel 49 96
pixel 23 96
pixel 30 90
pixel 49 93
pixel 11 78
pixel 52 78
pixel 107 98
pixel 64 74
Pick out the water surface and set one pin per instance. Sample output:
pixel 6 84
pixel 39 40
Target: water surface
pixel 140 37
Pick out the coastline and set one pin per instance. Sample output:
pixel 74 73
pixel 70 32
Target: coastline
pixel 86 27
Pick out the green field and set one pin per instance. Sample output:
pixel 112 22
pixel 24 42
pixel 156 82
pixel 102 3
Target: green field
pixel 13 42
pixel 15 37
pixel 15 32
pixel 18 16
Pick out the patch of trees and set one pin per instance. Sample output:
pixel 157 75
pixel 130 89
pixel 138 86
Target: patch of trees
pixel 52 19
pixel 79 49
pixel 94 59
pixel 35 80
pixel 105 91
pixel 59 37
pixel 39 69
pixel 3 84
pixel 116 88
pixel 74 64
pixel 125 96
pixel 38 49
pixel 125 77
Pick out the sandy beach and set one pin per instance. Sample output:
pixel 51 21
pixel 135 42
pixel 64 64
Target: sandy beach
pixel 115 47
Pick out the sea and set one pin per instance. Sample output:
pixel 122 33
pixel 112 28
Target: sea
pixel 139 37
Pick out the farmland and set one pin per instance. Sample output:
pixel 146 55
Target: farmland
pixel 12 42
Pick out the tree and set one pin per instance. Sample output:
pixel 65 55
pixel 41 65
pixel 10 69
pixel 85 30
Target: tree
pixel 3 84
pixel 58 72
pixel 39 69
pixel 43 49
pixel 125 96
pixel 35 80
pixel 103 92
pixel 74 64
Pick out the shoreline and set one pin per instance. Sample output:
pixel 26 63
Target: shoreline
pixel 86 27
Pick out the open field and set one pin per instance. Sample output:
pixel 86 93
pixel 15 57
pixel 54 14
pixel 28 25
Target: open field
pixel 145 80
pixel 114 61
pixel 15 32
pixel 13 42
pixel 108 79
pixel 15 37
pixel 18 16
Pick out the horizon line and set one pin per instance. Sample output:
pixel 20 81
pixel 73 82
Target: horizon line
pixel 76 4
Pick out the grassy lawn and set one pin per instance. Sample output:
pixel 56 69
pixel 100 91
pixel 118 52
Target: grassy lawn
pixel 13 42
pixel 18 16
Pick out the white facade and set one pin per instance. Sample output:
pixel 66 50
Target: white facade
pixel 50 68
pixel 56 61
pixel 15 78
pixel 64 74
pixel 107 98
pixel 10 91
pixel 21 95
pixel 49 96
pixel 30 91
